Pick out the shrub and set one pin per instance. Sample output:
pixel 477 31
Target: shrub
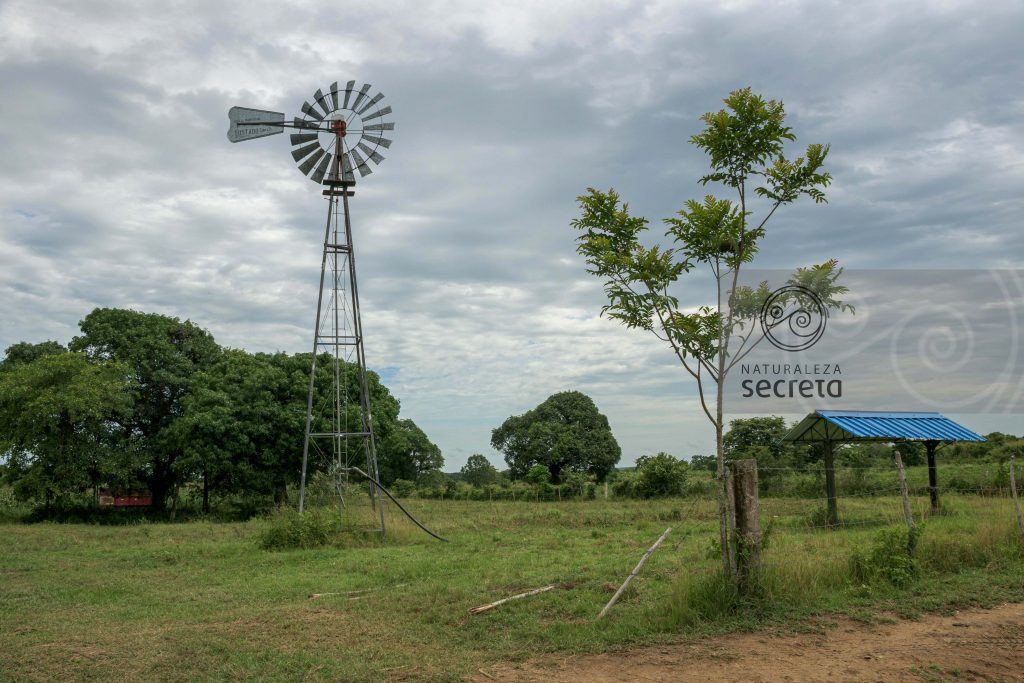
pixel 403 488
pixel 624 484
pixel 661 475
pixel 538 474
pixel 288 530
pixel 890 558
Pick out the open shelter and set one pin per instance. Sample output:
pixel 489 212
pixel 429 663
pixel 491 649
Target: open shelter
pixel 832 428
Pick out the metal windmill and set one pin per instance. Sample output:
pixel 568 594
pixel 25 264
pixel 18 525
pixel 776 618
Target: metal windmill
pixel 339 133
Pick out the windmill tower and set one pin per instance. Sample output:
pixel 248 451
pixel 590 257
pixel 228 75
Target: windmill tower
pixel 341 132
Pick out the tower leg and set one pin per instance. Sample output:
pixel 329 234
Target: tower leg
pixel 339 330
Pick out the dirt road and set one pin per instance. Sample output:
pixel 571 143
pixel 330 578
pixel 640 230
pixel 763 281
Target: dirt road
pixel 982 645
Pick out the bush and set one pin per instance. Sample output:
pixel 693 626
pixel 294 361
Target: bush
pixel 288 530
pixel 624 484
pixel 403 488
pixel 890 559
pixel 661 475
pixel 538 474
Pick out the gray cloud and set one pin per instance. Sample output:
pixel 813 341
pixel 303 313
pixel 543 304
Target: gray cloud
pixel 119 188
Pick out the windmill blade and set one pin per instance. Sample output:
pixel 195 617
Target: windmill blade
pixel 377 140
pixel 321 101
pixel 247 124
pixel 318 174
pixel 302 123
pixel 305 151
pixel 309 111
pixel 307 165
pixel 299 138
pixel 379 126
pixel 348 93
pixel 334 94
pixel 362 94
pixel 364 169
pixel 377 114
pixel 370 152
pixel 376 98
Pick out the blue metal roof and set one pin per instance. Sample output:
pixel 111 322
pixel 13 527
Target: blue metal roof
pixel 868 425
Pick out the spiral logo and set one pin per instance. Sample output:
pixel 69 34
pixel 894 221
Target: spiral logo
pixel 962 358
pixel 793 318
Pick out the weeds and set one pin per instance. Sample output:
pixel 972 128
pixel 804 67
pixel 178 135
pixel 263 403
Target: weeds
pixel 288 530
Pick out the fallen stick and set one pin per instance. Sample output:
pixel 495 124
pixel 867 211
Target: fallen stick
pixel 632 574
pixel 492 605
pixel 350 594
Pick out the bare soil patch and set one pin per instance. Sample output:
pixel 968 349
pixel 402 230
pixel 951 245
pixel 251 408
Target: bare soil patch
pixel 977 645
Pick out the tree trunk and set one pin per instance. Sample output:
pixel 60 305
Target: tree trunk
pixel 206 492
pixel 281 494
pixel 723 505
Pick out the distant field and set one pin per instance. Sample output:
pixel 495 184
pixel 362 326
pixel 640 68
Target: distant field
pixel 199 600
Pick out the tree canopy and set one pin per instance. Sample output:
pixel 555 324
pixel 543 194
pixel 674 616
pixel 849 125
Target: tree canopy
pixel 406 453
pixel 564 433
pixel 479 471
pixel 148 401
pixel 55 412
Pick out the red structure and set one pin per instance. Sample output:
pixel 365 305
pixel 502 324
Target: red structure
pixel 125 499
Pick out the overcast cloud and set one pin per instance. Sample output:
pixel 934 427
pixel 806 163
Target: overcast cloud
pixel 120 189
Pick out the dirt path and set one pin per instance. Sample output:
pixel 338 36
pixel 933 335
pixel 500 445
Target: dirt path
pixel 982 645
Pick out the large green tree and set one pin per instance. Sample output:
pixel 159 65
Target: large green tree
pixel 744 143
pixel 56 414
pixel 564 433
pixel 759 438
pixel 162 354
pixel 243 422
pixel 479 471
pixel 406 453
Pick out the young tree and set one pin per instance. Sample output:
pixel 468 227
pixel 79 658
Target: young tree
pixel 479 471
pixel 565 432
pixel 744 143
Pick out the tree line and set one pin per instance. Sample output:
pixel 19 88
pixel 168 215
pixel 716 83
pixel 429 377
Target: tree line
pixel 147 401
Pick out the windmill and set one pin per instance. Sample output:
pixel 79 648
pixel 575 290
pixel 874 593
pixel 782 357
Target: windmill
pixel 339 134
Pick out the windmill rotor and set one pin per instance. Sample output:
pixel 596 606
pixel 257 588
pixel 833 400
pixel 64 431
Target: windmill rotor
pixel 341 131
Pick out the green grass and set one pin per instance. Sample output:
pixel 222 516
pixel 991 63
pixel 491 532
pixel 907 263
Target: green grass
pixel 202 601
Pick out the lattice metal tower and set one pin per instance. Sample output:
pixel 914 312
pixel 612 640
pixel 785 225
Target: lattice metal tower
pixel 338 134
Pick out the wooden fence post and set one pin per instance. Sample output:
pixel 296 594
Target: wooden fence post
pixel 748 523
pixel 933 474
pixel 903 490
pixel 832 513
pixel 1016 500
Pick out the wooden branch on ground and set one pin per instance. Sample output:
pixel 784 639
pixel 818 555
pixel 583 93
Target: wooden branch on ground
pixel 632 574
pixel 492 605
pixel 353 595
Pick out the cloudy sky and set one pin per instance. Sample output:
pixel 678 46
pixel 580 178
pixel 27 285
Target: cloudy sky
pixel 119 188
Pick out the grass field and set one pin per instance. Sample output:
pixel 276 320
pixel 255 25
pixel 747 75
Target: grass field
pixel 200 600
